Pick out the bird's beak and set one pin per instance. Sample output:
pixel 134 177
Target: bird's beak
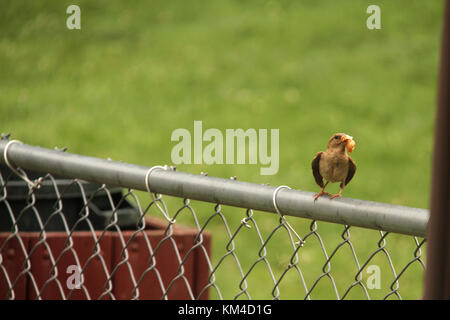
pixel 349 142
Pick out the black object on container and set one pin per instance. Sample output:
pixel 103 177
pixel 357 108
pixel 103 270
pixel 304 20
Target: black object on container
pixel 70 204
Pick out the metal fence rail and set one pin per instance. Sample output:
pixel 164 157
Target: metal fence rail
pixel 161 258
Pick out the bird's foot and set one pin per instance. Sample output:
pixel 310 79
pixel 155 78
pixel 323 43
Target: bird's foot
pixel 335 196
pixel 321 193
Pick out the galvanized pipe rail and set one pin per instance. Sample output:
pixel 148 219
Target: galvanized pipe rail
pixel 347 211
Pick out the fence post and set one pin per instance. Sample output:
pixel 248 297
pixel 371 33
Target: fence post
pixel 437 277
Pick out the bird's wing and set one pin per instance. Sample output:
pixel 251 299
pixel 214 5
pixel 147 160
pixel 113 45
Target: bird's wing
pixel 315 169
pixel 351 170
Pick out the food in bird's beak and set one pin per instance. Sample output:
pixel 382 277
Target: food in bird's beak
pixel 349 143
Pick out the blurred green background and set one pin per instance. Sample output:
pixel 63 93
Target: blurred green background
pixel 137 70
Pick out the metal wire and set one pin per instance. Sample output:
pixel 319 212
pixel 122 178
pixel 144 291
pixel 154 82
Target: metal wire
pixel 165 252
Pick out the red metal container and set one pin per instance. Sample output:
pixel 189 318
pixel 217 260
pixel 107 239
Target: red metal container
pixel 153 275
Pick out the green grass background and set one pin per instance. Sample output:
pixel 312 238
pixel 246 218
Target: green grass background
pixel 136 71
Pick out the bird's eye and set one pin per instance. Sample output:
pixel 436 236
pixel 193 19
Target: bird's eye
pixel 336 137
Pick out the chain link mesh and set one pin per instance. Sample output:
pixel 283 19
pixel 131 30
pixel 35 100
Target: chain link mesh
pixel 70 239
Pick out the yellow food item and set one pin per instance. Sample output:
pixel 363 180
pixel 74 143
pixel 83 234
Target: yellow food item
pixel 350 145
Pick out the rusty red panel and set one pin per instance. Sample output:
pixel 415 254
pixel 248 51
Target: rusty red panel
pixel 196 267
pixel 165 262
pixel 12 261
pixel 84 247
pixel 53 285
pixel 138 259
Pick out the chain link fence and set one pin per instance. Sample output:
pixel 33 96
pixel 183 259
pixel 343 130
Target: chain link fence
pixel 98 229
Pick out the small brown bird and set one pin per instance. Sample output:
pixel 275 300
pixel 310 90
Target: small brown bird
pixel 335 165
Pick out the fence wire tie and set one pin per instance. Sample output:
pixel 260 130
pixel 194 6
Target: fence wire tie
pixel 274 200
pixel 147 184
pixel 36 184
pixel 245 223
